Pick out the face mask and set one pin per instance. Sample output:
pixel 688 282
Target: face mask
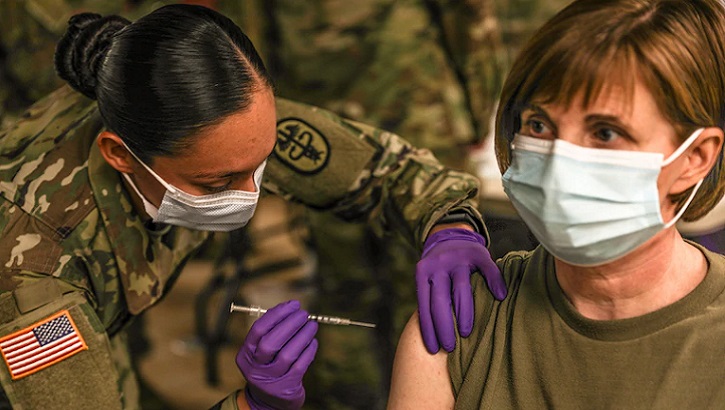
pixel 223 211
pixel 588 206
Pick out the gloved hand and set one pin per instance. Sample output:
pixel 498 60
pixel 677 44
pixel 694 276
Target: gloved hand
pixel 275 355
pixel 450 256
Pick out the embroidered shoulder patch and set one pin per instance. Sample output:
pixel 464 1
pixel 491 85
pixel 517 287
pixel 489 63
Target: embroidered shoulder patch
pixel 301 146
pixel 41 344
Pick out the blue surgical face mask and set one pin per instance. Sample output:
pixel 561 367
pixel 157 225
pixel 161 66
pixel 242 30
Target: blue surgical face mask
pixel 588 206
pixel 223 211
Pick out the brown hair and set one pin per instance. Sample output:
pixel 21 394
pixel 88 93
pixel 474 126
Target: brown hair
pixel 676 47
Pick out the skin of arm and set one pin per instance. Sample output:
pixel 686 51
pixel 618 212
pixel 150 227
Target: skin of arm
pixel 420 380
pixel 441 227
pixel 242 401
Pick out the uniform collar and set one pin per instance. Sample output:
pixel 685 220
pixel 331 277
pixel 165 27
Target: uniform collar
pixel 147 256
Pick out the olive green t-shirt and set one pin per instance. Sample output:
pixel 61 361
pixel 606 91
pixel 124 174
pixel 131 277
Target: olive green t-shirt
pixel 535 351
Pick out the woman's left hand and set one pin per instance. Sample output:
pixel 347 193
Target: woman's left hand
pixel 449 257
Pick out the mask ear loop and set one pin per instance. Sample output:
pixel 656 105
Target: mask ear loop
pixel 673 157
pixel 151 171
pixel 151 210
pixel 685 145
pixel 684 207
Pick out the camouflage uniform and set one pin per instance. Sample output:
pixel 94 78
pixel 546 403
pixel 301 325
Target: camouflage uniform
pixel 427 69
pixel 424 82
pixel 430 70
pixel 72 244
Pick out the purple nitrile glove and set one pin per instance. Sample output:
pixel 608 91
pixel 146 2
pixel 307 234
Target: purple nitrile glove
pixel 450 256
pixel 275 355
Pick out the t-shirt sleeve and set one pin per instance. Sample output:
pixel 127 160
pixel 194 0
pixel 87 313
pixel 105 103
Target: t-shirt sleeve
pixel 489 315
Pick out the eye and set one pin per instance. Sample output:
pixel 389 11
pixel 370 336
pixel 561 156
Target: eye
pixel 217 189
pixel 538 128
pixel 607 134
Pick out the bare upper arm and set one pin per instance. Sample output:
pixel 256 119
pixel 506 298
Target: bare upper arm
pixel 420 379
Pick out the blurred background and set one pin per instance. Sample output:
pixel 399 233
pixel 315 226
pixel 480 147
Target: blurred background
pixel 428 70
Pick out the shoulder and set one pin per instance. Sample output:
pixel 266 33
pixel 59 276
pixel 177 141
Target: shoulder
pixel 513 267
pixel 44 155
pixel 716 261
pixel 60 116
pixel 491 317
pixel 318 155
pixel 44 187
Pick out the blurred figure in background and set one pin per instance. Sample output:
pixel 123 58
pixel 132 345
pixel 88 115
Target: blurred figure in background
pixel 29 31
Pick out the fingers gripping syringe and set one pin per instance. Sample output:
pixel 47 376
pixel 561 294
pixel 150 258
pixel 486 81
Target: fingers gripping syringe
pixel 328 320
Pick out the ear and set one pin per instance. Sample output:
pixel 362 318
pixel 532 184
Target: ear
pixel 115 152
pixel 701 157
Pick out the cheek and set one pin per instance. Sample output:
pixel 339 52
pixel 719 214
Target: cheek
pixel 244 185
pixel 667 180
pixel 150 187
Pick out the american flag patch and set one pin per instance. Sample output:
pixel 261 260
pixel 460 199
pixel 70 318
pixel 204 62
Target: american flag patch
pixel 41 345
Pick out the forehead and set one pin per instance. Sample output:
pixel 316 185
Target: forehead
pixel 239 142
pixel 625 102
pixel 603 77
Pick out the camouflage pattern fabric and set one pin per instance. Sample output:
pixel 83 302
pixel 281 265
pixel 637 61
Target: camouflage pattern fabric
pixel 357 62
pixel 64 212
pixel 426 69
pixel 29 31
pixel 430 70
pixel 521 18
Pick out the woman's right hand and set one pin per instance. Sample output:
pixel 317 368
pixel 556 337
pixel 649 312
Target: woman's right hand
pixel 275 356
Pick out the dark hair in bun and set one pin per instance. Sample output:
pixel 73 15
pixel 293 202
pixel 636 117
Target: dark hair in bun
pixel 162 79
pixel 83 47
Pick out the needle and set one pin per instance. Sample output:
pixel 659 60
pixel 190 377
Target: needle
pixel 328 320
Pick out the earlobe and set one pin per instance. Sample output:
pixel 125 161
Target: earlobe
pixel 115 152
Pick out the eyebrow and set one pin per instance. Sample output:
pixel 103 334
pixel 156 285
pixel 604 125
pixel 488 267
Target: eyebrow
pixel 214 175
pixel 589 119
pixel 536 108
pixel 592 118
pixel 540 111
pixel 222 174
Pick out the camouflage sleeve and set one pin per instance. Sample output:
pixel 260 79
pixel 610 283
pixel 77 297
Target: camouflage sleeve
pixel 472 36
pixel 45 312
pixel 357 171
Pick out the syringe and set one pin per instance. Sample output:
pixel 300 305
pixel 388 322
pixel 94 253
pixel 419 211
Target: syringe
pixel 328 320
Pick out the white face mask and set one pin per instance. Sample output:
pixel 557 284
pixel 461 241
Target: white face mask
pixel 588 206
pixel 223 211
